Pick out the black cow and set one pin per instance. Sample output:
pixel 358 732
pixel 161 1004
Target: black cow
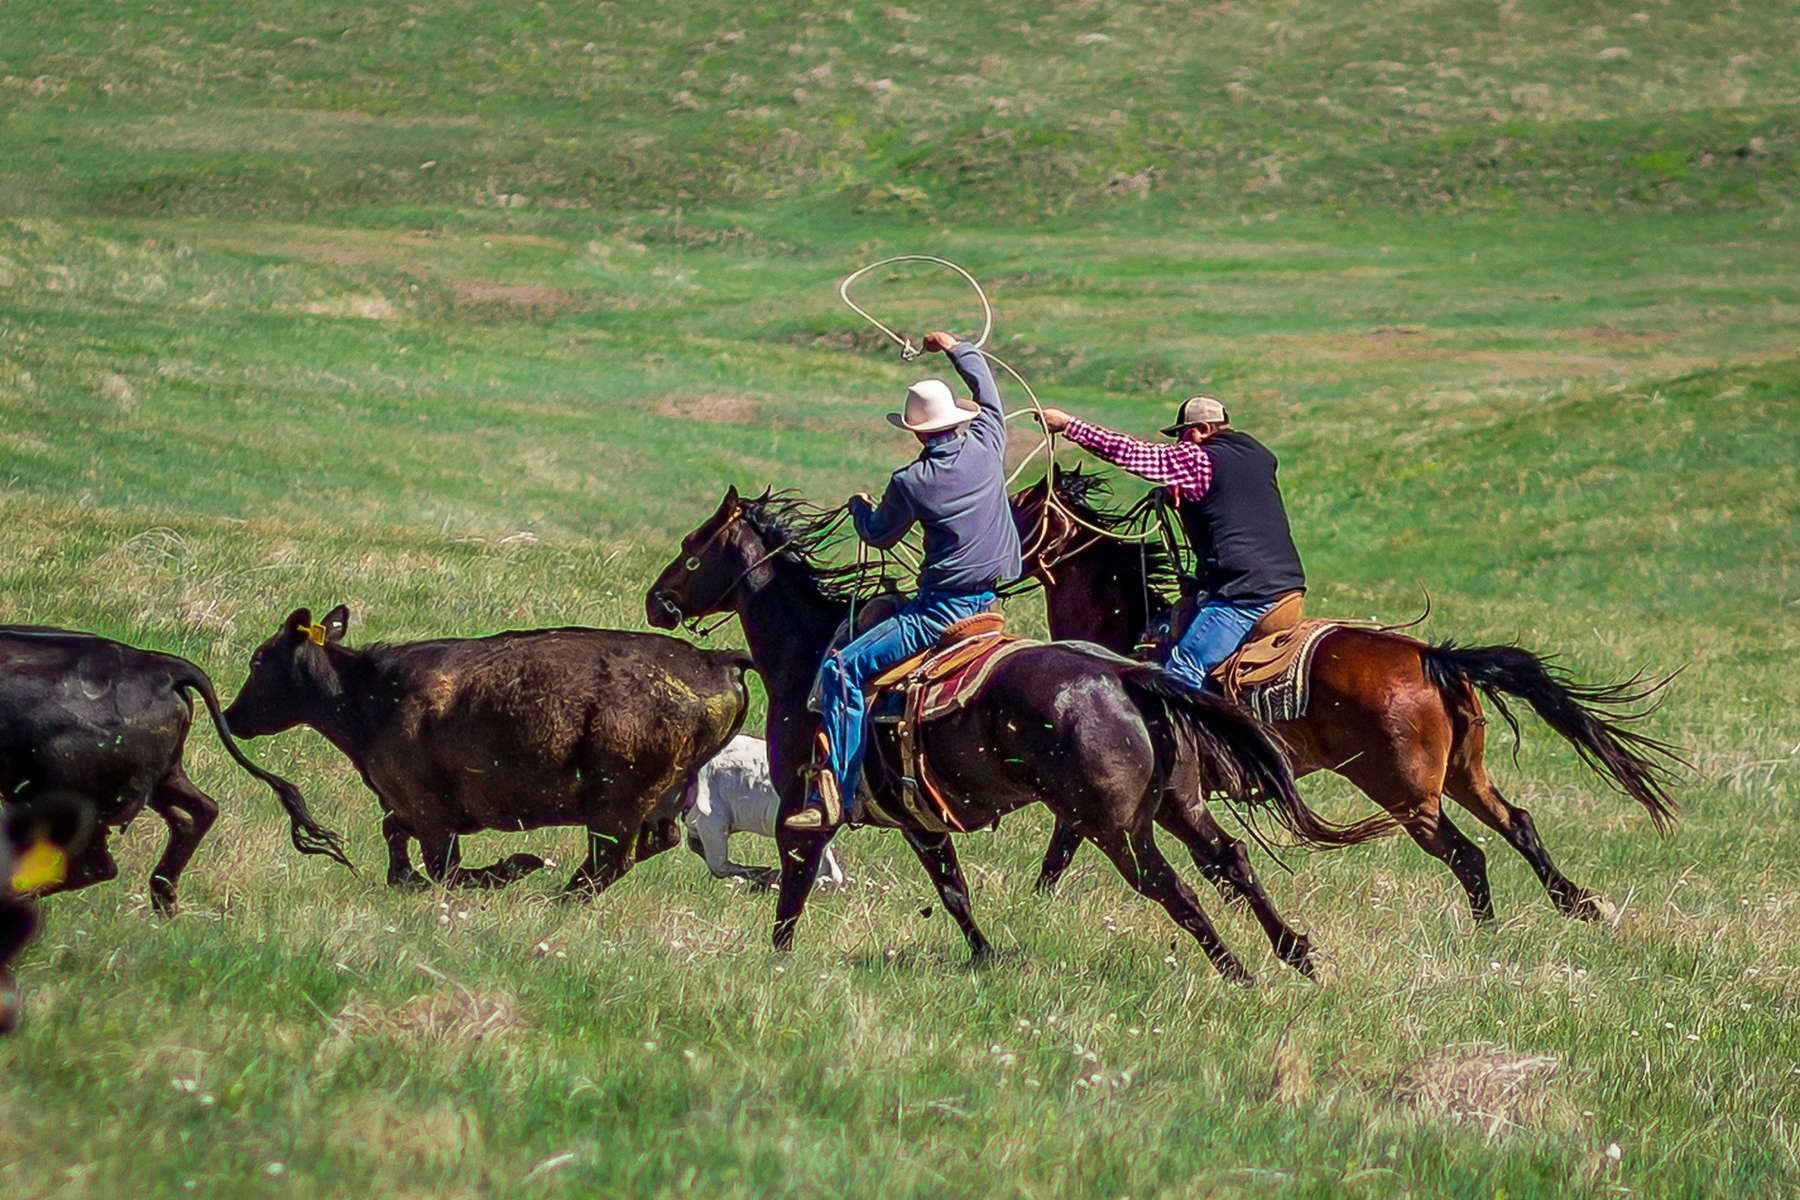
pixel 105 720
pixel 36 837
pixel 594 727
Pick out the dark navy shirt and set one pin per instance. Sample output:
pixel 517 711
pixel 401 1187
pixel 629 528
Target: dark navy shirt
pixel 956 489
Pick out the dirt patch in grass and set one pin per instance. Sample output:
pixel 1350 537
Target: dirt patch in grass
pixel 530 296
pixel 717 410
pixel 1602 334
pixel 1497 1090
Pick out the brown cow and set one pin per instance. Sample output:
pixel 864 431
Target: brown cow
pixel 594 727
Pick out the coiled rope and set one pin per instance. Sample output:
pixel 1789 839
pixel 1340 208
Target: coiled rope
pixel 909 352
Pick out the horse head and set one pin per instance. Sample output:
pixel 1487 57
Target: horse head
pixel 704 574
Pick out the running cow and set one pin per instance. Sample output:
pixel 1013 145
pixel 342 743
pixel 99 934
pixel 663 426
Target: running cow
pixel 594 727
pixel 101 719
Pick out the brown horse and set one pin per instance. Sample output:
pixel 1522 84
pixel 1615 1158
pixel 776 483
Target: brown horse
pixel 1113 747
pixel 1397 717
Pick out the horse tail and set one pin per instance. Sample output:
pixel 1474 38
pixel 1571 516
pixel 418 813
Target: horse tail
pixel 1592 717
pixel 1238 757
pixel 309 836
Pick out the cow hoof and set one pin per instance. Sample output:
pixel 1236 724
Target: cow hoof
pixel 408 880
pixel 9 1008
pixel 518 866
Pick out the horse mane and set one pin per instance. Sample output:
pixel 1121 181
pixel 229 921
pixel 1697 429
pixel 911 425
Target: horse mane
pixel 806 535
pixel 1084 494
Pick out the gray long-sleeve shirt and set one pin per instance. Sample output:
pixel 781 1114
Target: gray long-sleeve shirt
pixel 956 488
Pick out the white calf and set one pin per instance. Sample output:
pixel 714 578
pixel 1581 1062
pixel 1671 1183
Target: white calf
pixel 734 794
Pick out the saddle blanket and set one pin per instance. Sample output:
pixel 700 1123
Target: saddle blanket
pixel 1271 675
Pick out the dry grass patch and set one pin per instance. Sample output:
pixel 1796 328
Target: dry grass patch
pixel 384 1131
pixel 1496 1089
pixel 449 1019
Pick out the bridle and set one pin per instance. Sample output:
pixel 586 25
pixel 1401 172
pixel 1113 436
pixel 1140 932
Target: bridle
pixel 695 560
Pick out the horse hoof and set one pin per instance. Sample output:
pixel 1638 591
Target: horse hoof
pixel 1590 907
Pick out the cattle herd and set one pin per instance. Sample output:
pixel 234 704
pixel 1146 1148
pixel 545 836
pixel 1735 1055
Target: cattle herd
pixel 611 730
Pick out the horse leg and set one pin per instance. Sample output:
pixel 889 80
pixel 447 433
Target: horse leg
pixel 1147 871
pixel 1064 842
pixel 1421 813
pixel 189 812
pixel 800 850
pixel 1224 861
pixel 939 857
pixel 1469 786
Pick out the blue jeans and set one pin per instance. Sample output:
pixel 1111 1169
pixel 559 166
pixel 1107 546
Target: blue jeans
pixel 1217 629
pixel 915 627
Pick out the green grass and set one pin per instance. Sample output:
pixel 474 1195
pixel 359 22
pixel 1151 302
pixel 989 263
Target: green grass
pixel 1516 312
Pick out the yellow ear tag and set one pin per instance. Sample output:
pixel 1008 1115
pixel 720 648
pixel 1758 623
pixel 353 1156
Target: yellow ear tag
pixel 314 634
pixel 39 866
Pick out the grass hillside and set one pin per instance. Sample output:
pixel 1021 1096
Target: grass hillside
pixel 463 314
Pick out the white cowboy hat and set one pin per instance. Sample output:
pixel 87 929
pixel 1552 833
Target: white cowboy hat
pixel 930 408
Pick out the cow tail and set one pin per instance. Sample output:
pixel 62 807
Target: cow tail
pixel 309 836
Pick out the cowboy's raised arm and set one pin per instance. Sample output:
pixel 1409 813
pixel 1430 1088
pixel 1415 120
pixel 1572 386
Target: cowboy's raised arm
pixel 884 524
pixel 989 426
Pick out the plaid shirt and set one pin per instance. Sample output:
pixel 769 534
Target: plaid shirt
pixel 1185 467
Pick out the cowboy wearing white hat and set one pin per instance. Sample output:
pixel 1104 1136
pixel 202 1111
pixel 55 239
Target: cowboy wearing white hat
pixel 1223 484
pixel 956 489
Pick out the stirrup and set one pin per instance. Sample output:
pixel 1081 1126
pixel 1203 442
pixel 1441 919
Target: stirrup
pixel 828 813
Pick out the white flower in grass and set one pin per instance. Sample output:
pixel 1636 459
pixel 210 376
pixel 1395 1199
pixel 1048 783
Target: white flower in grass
pixel 1614 1151
pixel 273 1169
pixel 649 1045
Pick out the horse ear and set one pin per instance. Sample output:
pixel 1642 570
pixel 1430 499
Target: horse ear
pixel 337 623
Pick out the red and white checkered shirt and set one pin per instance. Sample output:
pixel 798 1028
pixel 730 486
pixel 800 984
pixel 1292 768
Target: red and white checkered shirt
pixel 1185 467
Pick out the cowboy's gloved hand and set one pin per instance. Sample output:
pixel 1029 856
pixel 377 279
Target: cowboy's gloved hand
pixel 1053 419
pixel 937 339
pixel 864 499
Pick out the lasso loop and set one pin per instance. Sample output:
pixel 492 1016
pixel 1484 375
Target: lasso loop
pixel 1047 447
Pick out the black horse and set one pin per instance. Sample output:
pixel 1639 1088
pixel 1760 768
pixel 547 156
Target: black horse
pixel 1113 747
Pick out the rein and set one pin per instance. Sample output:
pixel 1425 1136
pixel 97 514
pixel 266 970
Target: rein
pixel 693 562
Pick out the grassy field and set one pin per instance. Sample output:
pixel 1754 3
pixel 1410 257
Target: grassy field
pixel 462 315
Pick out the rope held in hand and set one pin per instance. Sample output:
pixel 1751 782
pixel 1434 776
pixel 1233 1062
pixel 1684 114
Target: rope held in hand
pixel 909 352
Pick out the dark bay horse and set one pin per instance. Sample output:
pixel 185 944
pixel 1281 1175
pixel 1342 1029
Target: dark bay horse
pixel 1113 747
pixel 1397 717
